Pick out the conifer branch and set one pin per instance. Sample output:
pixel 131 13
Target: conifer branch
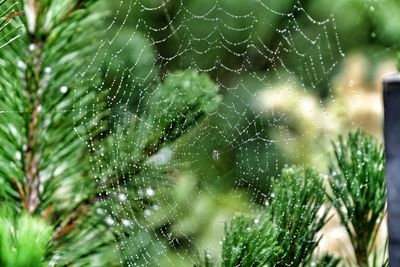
pixel 33 92
pixel 286 232
pixel 358 189
pixel 37 134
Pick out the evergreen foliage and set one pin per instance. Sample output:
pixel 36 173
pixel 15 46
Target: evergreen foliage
pixel 297 197
pixel 297 210
pixel 250 242
pixel 286 232
pixel 48 100
pixel 23 240
pixel 358 190
pixel 61 202
pixel 177 104
pixel 326 261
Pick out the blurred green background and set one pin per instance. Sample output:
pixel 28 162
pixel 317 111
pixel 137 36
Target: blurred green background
pixel 293 74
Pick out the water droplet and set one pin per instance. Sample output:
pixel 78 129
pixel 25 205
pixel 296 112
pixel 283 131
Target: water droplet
pixel 162 157
pixel 100 211
pixel 126 222
pixel 186 84
pixel 21 64
pixel 147 213
pixel 63 89
pixel 150 192
pixel 140 192
pixel 47 70
pixel 122 197
pixel 54 260
pixel 18 155
pixel 13 130
pixel 109 220
pixel 32 47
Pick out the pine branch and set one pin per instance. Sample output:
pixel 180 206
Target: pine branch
pixel 250 242
pixel 33 84
pixel 8 13
pixel 45 168
pixel 44 163
pixel 139 138
pixel 285 234
pixel 23 240
pixel 358 190
pixel 295 202
pixel 182 101
pixel 327 261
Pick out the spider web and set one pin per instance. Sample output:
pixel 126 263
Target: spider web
pixel 231 41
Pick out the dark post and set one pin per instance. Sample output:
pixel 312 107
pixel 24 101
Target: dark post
pixel 392 147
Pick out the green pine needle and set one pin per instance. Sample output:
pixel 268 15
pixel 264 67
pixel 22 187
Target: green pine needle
pixel 358 188
pixel 286 233
pixel 250 242
pixel 296 199
pixel 23 240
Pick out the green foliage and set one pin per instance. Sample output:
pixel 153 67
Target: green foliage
pixel 130 69
pixel 23 240
pixel 176 105
pixel 44 163
pixel 327 261
pixel 173 108
pixel 358 190
pixel 250 242
pixel 45 168
pixel 55 122
pixel 47 98
pixel 293 215
pixel 7 14
pixel 296 198
pixel 286 233
pixel 358 194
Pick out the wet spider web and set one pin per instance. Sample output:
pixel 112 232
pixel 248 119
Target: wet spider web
pixel 247 49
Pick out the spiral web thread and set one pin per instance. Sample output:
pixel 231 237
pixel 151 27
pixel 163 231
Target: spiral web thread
pixel 238 128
